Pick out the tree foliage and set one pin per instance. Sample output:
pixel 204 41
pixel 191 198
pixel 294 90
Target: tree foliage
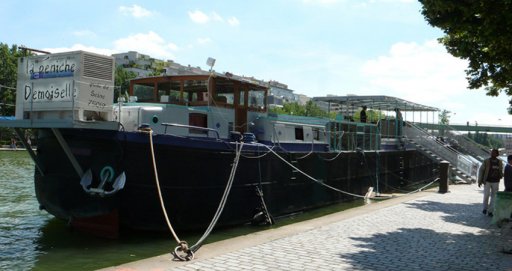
pixel 487 140
pixel 122 81
pixel 158 69
pixel 479 31
pixel 371 115
pixel 444 117
pixel 8 75
pixel 311 109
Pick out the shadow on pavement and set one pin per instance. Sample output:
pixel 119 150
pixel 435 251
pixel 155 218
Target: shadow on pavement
pixel 425 249
pixel 467 214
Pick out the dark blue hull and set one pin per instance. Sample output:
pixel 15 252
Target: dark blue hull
pixel 193 174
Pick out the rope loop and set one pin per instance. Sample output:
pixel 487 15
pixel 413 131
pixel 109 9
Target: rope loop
pixel 183 252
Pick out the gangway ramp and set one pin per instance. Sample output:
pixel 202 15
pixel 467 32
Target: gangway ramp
pixel 463 165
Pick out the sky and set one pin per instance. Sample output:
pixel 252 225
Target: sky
pixel 316 47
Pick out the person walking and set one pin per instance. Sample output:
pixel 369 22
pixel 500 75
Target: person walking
pixel 490 174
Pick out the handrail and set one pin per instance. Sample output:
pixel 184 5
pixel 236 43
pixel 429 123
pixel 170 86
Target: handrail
pixel 191 127
pixel 467 143
pixel 438 147
pixel 422 136
pixel 472 147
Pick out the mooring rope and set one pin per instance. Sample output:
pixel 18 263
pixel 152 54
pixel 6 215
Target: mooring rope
pixel 313 179
pixel 183 245
pixel 396 175
pixel 396 189
pixel 330 159
pixel 336 189
pixel 222 203
pixel 423 187
pixel 309 153
pixel 259 156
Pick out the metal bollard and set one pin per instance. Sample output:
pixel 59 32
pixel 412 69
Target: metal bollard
pixel 443 176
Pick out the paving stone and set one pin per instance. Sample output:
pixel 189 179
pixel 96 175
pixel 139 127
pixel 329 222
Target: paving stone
pixel 434 232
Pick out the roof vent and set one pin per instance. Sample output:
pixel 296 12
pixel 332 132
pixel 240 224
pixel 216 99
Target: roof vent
pixel 98 67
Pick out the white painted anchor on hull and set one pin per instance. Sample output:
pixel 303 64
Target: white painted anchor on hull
pixel 106 175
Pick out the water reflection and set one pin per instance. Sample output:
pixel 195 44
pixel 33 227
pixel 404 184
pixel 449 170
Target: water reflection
pixel 20 219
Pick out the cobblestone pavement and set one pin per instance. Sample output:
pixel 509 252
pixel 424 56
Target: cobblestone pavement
pixel 435 232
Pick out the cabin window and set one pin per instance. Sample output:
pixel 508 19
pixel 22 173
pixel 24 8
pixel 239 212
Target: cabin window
pixel 224 93
pixel 196 90
pixel 199 120
pixel 242 97
pixel 169 92
pixel 256 99
pixel 144 93
pixel 299 133
pixel 175 91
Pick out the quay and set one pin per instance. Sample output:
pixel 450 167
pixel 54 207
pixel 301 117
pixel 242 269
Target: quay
pixel 422 231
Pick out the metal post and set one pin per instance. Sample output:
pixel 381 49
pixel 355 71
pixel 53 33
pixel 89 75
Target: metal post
pixel 427 121
pixel 443 176
pixel 68 152
pixel 30 151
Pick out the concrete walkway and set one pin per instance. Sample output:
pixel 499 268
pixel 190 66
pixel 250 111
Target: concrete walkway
pixel 423 231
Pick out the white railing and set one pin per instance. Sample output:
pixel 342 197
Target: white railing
pixel 476 150
pixel 440 148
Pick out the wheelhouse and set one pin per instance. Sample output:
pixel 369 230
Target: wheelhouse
pixel 212 91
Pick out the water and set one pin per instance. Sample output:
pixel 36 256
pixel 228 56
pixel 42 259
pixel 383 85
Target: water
pixel 31 239
pixel 20 220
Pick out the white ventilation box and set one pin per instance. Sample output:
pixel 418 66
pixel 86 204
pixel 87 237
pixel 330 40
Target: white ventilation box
pixel 71 86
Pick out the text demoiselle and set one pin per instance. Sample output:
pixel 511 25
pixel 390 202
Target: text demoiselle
pixel 49 93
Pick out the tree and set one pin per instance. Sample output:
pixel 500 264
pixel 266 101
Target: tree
pixel 311 109
pixel 8 77
pixel 479 31
pixel 158 68
pixel 444 117
pixel 122 81
pixel 486 139
pixel 291 109
pixel 444 120
pixel 371 115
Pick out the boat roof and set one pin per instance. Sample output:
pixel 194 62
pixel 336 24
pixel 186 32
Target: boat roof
pixel 226 76
pixel 379 102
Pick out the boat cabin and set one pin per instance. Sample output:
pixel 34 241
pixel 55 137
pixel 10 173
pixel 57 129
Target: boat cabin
pixel 219 106
pixel 215 101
